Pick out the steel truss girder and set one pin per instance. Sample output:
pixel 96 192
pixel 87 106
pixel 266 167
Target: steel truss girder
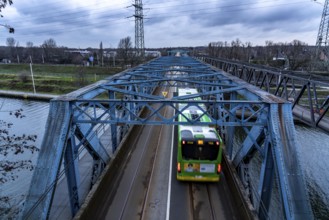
pixel 302 91
pixel 287 162
pixel 76 117
pixel 96 111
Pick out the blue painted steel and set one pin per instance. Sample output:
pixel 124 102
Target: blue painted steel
pixel 305 91
pixel 266 182
pixel 291 180
pixel 88 138
pixel 230 130
pixel 254 136
pixel 72 173
pixel 86 113
pixel 266 120
pixel 113 125
pixel 46 172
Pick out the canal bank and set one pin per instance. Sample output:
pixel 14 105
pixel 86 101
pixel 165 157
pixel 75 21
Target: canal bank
pixel 27 95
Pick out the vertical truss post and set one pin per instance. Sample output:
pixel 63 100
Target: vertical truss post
pixel 266 181
pixel 230 130
pixel 72 174
pixel 291 183
pixel 113 126
pixel 309 95
pixel 45 175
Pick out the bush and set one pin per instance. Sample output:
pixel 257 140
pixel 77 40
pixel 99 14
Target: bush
pixel 23 77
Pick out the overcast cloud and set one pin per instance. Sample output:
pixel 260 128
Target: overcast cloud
pixel 83 24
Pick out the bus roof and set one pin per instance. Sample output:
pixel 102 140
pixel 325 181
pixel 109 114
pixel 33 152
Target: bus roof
pixel 190 132
pixel 187 91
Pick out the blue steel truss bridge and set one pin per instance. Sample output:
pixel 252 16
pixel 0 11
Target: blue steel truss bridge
pixel 132 98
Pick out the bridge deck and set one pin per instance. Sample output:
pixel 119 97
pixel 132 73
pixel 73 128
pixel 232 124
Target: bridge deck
pixel 143 188
pixel 75 120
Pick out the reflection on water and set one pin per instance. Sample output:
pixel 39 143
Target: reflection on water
pixel 314 153
pixel 33 123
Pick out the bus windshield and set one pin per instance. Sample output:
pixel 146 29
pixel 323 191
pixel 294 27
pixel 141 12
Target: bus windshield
pixel 208 150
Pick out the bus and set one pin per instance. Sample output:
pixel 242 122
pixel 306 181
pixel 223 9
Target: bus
pixel 199 148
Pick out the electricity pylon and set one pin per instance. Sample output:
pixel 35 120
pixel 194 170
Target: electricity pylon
pixel 322 41
pixel 139 27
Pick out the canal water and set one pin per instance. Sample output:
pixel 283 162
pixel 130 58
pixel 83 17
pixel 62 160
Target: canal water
pixel 31 122
pixel 314 154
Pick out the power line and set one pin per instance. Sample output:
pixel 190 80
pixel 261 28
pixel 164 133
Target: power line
pixel 75 20
pixel 216 9
pixel 60 16
pixel 71 18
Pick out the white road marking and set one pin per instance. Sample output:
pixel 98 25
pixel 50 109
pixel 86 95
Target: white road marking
pixel 170 173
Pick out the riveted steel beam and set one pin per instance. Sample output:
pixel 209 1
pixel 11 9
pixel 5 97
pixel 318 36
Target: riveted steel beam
pixel 229 102
pixel 306 91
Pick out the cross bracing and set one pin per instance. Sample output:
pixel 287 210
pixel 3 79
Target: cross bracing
pixel 90 111
pixel 77 120
pixel 308 93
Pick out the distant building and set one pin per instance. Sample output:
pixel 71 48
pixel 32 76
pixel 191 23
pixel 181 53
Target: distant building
pixel 5 61
pixel 110 54
pixel 154 53
pixel 83 53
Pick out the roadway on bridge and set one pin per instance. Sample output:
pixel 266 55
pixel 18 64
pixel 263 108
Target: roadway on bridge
pixel 144 186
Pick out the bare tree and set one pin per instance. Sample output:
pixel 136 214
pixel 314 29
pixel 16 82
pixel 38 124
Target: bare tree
pixel 248 46
pixel 125 50
pixel 3 4
pixel 11 144
pixel 49 47
pixel 101 54
pixel 18 50
pixel 298 55
pixel 29 51
pixel 29 44
pixel 11 42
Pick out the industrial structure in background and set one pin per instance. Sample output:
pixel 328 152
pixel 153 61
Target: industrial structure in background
pixel 323 35
pixel 139 27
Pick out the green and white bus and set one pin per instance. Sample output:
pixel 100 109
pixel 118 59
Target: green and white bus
pixel 199 150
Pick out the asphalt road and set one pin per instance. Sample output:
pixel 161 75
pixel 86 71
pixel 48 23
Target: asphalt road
pixel 145 185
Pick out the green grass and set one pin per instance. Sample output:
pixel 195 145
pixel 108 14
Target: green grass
pixel 53 79
pixel 55 69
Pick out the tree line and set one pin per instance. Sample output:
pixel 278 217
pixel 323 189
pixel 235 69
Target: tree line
pixel 48 52
pixel 295 55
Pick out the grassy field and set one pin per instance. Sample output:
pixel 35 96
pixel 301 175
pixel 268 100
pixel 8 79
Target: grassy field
pixel 52 79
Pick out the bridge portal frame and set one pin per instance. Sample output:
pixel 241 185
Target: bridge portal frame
pixel 74 120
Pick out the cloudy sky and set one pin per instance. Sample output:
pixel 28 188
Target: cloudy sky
pixel 83 24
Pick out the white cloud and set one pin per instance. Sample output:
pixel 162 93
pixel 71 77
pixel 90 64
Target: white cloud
pixel 76 23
